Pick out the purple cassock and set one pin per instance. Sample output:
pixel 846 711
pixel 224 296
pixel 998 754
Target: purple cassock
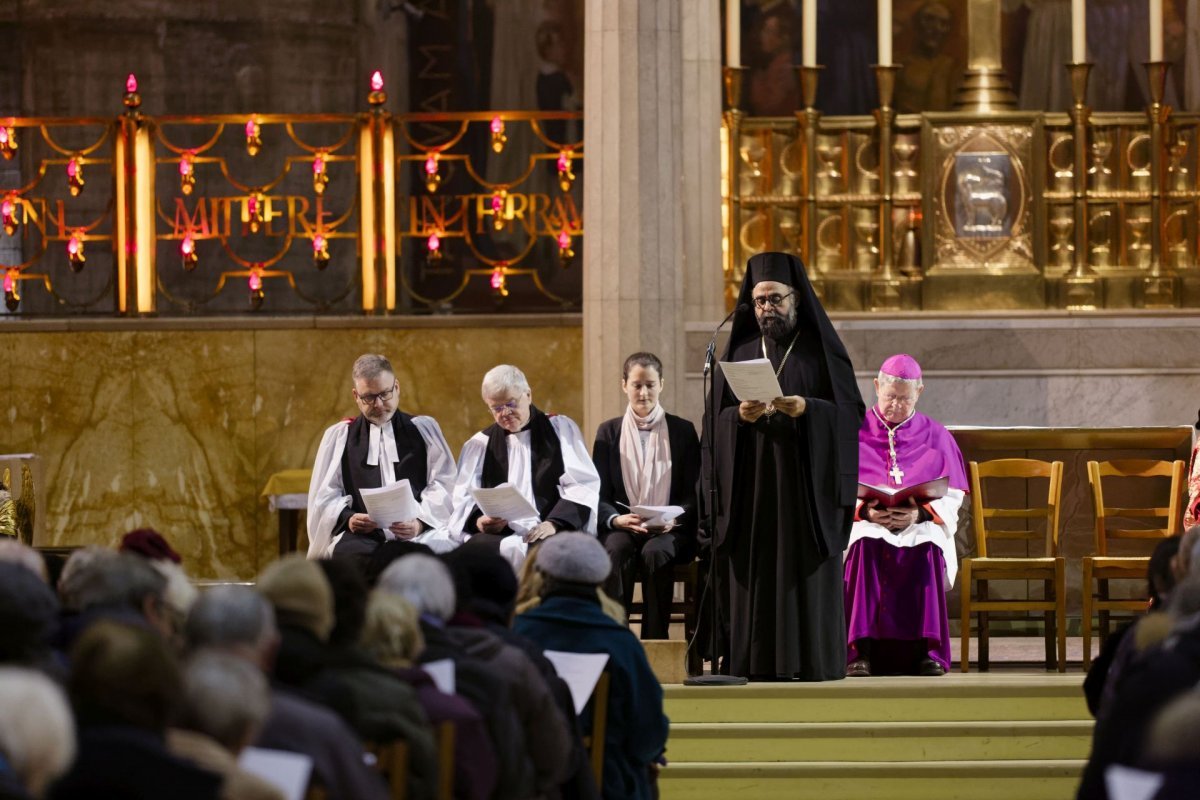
pixel 896 582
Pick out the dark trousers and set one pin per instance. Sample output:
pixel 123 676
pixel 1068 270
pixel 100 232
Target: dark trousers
pixel 655 555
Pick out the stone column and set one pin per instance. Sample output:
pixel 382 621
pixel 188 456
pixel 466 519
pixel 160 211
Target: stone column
pixel 651 193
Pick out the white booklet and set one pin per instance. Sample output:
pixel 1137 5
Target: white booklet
pixel 442 672
pixel 752 380
pixel 286 771
pixel 580 671
pixel 657 516
pixel 1127 783
pixel 504 502
pixel 394 503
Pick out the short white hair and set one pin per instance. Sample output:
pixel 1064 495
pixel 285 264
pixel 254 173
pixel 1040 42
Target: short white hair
pixel 423 581
pixel 37 732
pixel 885 378
pixel 224 697
pixel 17 552
pixel 503 380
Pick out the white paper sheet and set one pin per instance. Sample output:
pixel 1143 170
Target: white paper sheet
pixel 657 516
pixel 580 671
pixel 442 672
pixel 286 771
pixel 752 380
pixel 504 502
pixel 1126 783
pixel 394 503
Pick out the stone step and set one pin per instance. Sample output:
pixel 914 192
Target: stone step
pixel 878 741
pixel 841 780
pixel 952 697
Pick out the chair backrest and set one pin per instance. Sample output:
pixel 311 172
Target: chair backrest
pixel 445 737
pixel 391 760
pixel 1135 468
pixel 1016 468
pixel 594 740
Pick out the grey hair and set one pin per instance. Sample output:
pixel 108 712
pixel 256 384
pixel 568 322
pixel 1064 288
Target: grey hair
pixel 504 379
pixel 371 365
pixel 112 579
pixel 423 581
pixel 76 563
pixel 37 732
pixel 883 377
pixel 16 552
pixel 230 616
pixel 224 697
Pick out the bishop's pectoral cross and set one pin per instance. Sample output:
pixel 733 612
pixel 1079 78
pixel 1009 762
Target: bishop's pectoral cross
pixel 896 473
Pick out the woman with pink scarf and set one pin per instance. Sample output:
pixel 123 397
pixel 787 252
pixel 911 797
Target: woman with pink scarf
pixel 646 458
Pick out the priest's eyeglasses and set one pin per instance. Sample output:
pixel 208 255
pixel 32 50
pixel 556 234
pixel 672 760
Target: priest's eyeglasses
pixel 512 405
pixel 775 300
pixel 371 399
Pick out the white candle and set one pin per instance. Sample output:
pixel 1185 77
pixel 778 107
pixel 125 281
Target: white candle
pixel 733 33
pixel 1156 30
pixel 1078 32
pixel 885 33
pixel 809 21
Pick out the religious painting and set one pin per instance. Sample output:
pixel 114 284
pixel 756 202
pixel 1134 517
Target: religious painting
pixel 982 188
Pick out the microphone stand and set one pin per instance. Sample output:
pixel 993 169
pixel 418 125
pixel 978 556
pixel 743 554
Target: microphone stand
pixel 710 417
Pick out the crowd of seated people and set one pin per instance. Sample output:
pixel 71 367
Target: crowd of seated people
pixel 125 681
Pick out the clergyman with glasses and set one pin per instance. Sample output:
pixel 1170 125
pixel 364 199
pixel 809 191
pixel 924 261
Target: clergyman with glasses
pixel 543 456
pixel 379 447
pixel 787 480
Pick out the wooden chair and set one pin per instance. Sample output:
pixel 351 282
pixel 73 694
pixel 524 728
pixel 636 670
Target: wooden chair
pixel 593 741
pixel 684 610
pixel 445 738
pixel 391 761
pixel 1100 568
pixel 1049 568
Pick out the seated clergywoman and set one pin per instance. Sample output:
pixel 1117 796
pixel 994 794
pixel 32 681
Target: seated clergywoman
pixel 901 558
pixel 646 457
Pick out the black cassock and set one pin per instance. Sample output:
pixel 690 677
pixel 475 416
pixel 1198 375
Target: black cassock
pixel 786 495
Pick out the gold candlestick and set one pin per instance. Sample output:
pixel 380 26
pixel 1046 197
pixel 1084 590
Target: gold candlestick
pixel 1159 288
pixel 1084 290
pixel 809 120
pixel 733 77
pixel 885 289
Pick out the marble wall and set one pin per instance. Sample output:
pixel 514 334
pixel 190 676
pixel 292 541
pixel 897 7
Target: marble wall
pixel 179 425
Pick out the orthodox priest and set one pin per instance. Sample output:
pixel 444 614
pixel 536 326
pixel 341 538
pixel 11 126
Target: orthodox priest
pixel 379 447
pixel 787 475
pixel 541 455
pixel 901 559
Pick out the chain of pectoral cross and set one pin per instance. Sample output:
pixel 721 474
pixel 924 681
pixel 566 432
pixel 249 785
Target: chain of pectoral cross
pixel 895 472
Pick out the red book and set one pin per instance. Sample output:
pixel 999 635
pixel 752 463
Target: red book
pixel 888 496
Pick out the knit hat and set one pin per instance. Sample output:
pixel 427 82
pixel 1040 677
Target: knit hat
pixel 148 543
pixel 574 557
pixel 300 593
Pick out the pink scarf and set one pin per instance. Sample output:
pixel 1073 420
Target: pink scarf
pixel 646 471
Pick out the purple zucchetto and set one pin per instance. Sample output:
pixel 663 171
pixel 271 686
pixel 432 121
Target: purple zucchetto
pixel 902 366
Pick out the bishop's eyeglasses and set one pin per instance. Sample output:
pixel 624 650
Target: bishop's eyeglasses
pixel 775 300
pixel 371 399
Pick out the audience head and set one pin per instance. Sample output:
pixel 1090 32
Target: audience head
pixel 300 593
pixel 485 583
pixel 1181 565
pixel 37 733
pixel 237 620
pixel 392 633
pixel 1171 740
pixel 76 564
pixel 149 543
pixel 508 396
pixel 573 558
pixel 28 616
pixel 376 389
pixel 423 581
pixel 224 698
pixel 13 551
pixel 112 581
pixel 642 382
pixel 1185 597
pixel 386 553
pixel 349 600
pixel 1159 574
pixel 123 675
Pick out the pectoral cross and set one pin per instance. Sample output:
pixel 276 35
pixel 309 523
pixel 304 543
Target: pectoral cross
pixel 896 473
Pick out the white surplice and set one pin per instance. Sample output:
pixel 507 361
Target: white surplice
pixel 327 495
pixel 579 483
pixel 941 534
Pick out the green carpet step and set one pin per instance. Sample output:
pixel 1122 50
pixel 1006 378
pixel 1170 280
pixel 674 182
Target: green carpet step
pixel 944 780
pixel 878 741
pixel 952 697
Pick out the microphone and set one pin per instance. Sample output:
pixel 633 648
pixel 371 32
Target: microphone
pixel 711 352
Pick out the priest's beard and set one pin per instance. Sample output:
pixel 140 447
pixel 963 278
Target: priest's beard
pixel 777 327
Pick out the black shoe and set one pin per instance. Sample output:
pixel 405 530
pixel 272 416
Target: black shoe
pixel 860 668
pixel 930 668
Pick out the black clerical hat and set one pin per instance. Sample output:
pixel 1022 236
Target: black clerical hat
pixel 773 267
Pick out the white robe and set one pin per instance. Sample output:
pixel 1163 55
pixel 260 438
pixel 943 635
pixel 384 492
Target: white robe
pixel 941 534
pixel 327 495
pixel 579 483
